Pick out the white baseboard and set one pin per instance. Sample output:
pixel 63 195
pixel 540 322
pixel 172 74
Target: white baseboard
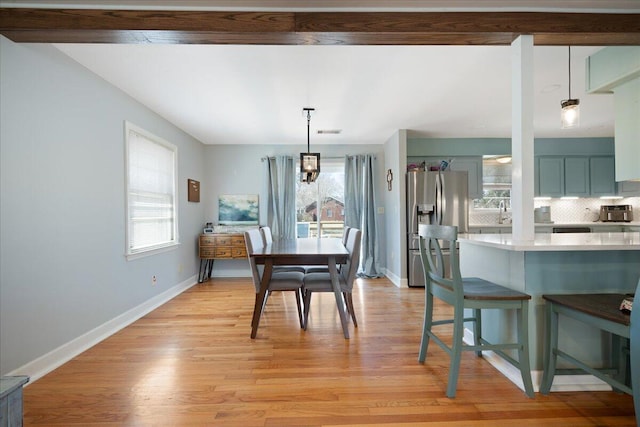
pixel 584 382
pixel 44 364
pixel 396 280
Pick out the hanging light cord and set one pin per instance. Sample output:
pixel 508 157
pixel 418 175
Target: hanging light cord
pixel 308 126
pixel 569 72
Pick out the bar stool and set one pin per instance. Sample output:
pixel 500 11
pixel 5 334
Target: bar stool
pixel 467 293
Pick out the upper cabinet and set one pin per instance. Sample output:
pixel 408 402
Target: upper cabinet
pixel 616 69
pixel 576 176
pixel 629 188
pixel 473 167
pixel 602 175
pixel 550 176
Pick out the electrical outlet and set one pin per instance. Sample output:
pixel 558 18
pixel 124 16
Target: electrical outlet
pixel 180 267
pixel 154 281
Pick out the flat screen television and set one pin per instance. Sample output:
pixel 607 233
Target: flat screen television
pixel 238 209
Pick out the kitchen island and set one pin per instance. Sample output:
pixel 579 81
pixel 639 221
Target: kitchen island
pixel 554 264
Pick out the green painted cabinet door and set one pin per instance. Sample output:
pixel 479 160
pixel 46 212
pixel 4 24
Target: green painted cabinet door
pixel 602 175
pixel 551 176
pixel 629 188
pixel 473 167
pixel 576 176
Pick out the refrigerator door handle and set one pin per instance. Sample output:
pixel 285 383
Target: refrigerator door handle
pixel 443 199
pixel 438 194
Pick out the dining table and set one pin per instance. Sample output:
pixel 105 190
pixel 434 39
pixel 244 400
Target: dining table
pixel 301 251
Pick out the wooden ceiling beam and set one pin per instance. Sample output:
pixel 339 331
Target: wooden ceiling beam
pixel 328 28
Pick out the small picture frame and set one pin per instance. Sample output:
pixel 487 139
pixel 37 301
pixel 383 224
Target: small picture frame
pixel 193 192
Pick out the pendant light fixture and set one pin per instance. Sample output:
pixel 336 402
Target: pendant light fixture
pixel 570 114
pixel 309 162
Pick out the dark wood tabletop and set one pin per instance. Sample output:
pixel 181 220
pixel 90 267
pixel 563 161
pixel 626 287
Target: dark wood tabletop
pixel 605 306
pixel 305 251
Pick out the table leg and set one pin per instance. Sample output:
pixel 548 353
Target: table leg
pixel 201 271
pixel 333 271
pixel 260 296
pixel 210 269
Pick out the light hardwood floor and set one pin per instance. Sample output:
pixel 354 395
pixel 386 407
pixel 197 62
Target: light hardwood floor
pixel 191 362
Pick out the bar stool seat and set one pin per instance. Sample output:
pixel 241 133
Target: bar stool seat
pixel 598 310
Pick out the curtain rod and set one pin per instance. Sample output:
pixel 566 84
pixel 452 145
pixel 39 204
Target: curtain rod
pixel 321 158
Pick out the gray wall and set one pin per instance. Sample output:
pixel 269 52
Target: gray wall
pixel 239 169
pixel 395 149
pixel 62 265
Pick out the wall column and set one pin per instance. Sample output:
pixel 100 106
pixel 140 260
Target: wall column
pixel 522 187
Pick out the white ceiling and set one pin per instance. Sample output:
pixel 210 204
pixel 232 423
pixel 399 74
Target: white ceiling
pixel 241 94
pixel 227 94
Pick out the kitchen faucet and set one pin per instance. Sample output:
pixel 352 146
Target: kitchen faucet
pixel 501 208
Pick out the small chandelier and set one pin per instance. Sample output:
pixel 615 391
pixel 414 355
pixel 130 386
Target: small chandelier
pixel 570 114
pixel 309 162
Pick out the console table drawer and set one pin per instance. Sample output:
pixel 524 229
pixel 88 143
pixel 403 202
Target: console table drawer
pixel 238 241
pixel 207 240
pixel 225 240
pixel 239 252
pixel 207 252
pixel 223 252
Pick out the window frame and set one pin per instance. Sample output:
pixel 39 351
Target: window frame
pixel 495 186
pixel 330 165
pixel 175 241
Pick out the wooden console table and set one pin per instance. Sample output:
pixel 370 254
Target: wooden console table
pixel 219 246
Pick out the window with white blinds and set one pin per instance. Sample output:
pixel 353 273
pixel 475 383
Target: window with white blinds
pixel 151 191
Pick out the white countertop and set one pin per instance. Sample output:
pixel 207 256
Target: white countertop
pixel 560 224
pixel 559 242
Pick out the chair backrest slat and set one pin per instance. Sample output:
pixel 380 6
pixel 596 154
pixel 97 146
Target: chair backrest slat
pixel 253 241
pixel 353 246
pixel 432 253
pixel 267 236
pixel 345 234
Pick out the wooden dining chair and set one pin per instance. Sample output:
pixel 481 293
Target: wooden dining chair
pixel 467 293
pixel 324 268
pixel 267 239
pixel 321 281
pixel 280 281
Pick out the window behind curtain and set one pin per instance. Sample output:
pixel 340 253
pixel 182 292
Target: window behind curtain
pixel 320 205
pixel 151 191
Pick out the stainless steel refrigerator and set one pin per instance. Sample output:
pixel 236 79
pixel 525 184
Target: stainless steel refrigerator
pixel 433 198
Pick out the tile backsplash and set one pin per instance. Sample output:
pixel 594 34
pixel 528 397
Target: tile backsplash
pixel 562 211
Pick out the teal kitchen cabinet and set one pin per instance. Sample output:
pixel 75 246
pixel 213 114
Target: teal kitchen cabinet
pixel 550 177
pixel 473 167
pixel 576 176
pixel 602 176
pixel 629 188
